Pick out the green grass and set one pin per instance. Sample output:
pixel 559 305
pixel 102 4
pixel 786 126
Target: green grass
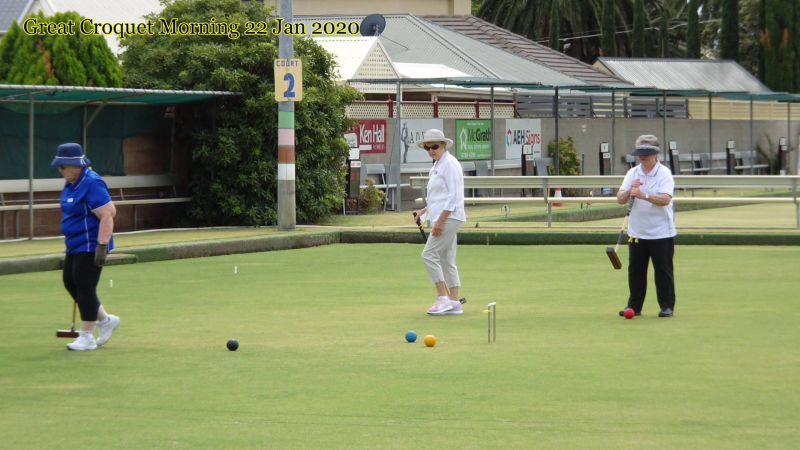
pixel 323 362
pixel 753 216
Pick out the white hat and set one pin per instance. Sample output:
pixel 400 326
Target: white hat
pixel 433 135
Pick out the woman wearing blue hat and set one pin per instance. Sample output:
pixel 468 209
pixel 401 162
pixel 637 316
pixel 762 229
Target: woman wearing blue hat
pixel 87 221
pixel 651 228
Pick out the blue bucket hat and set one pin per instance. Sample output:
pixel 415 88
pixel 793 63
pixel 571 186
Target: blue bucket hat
pixel 70 154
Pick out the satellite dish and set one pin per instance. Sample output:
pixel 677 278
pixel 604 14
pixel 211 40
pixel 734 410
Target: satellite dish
pixel 373 25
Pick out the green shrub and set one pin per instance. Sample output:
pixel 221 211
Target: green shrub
pixel 569 161
pixel 370 199
pixel 233 140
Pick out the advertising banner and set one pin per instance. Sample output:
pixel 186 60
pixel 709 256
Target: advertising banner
pixel 523 134
pixel 411 131
pixel 368 137
pixel 473 139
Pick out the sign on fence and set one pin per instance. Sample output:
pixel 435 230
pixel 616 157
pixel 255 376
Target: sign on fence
pixel 523 132
pixel 368 137
pixel 473 139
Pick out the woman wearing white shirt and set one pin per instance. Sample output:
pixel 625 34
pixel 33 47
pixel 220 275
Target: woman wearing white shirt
pixel 445 212
pixel 651 228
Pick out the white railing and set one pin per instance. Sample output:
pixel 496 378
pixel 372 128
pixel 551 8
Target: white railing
pixel 545 183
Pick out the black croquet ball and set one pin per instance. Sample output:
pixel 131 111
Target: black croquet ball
pixel 233 344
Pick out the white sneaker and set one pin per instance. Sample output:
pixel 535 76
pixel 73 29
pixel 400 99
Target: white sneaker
pixel 457 309
pixel 104 330
pixel 85 341
pixel 440 306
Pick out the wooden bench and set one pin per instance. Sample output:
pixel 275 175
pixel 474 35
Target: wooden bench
pixel 131 190
pixel 378 173
pixel 746 162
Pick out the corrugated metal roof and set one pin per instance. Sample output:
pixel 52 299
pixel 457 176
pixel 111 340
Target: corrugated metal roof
pixel 501 38
pixel 410 39
pixel 84 94
pixel 417 70
pixel 10 10
pixel 684 74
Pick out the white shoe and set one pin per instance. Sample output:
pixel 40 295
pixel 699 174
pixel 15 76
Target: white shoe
pixel 85 341
pixel 457 309
pixel 104 330
pixel 441 306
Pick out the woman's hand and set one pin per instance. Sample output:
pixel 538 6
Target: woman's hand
pixel 437 228
pixel 418 215
pixel 635 188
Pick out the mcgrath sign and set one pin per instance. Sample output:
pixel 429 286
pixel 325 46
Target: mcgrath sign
pixel 523 132
pixel 473 139
pixel 368 137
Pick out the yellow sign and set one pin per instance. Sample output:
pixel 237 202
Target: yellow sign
pixel 288 80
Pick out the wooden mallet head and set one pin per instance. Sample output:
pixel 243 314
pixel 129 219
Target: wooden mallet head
pixel 71 333
pixel 67 333
pixel 612 255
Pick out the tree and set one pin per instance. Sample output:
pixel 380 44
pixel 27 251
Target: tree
pixel 554 25
pixel 637 35
pixel 692 31
pixel 608 29
pixel 530 18
pixel 57 59
pixel 729 35
pixel 778 46
pixel 663 33
pixel 475 6
pixel 233 142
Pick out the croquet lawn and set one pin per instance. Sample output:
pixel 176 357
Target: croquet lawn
pixel 323 362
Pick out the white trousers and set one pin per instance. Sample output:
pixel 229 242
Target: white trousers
pixel 439 255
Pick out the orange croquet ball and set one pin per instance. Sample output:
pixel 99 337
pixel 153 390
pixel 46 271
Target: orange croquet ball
pixel 430 340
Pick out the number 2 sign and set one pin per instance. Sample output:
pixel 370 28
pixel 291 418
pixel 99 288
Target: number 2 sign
pixel 288 80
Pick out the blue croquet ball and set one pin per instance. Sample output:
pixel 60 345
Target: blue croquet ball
pixel 411 336
pixel 233 344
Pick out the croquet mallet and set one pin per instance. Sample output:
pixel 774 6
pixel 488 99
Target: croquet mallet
pixel 421 229
pixel 612 251
pixel 71 333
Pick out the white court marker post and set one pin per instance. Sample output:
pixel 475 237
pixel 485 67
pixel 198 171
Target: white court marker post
pixel 491 308
pixel 235 270
pixel 111 284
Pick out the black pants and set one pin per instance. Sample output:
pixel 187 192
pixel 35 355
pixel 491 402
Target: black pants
pixel 660 251
pixel 80 278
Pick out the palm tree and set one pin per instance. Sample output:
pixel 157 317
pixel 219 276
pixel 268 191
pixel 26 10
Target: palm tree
pixel 692 31
pixel 555 22
pixel 608 29
pixel 638 35
pixel 579 19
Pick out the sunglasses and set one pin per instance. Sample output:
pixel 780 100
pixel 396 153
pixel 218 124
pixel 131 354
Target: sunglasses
pixel 432 147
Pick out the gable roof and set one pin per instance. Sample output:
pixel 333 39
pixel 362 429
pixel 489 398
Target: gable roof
pixel 11 10
pixel 523 47
pixel 684 74
pixel 360 57
pixel 411 39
